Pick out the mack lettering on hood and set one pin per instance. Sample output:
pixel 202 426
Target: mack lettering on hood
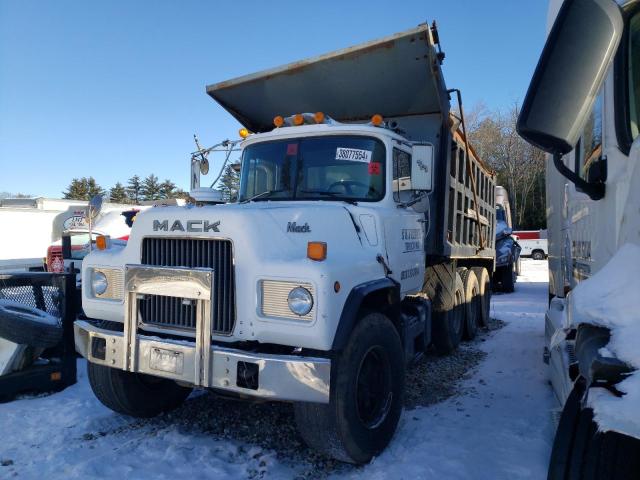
pixel 191 226
pixel 292 227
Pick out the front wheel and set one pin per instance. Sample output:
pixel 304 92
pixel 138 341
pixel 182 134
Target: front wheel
pixel 367 388
pixel 581 452
pixel 135 394
pixel 508 279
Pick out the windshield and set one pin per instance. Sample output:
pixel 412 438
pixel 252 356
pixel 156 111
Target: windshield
pixel 348 168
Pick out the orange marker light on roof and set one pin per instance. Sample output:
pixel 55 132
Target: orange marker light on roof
pixel 298 119
pixel 243 132
pixel 317 251
pixel 377 120
pixel 278 121
pixel 318 117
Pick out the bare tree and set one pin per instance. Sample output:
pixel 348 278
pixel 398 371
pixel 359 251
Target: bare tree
pixel 518 164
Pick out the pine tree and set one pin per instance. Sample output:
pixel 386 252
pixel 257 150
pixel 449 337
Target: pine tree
pixel 76 190
pixel 118 194
pixel 229 183
pixel 134 189
pixel 83 189
pixel 151 188
pixel 167 189
pixel 93 189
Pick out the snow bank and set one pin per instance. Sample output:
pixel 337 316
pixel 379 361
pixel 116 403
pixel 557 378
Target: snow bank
pixel 611 298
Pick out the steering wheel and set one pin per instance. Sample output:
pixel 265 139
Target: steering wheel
pixel 348 185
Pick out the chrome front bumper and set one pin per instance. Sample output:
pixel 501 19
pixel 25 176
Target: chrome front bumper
pixel 198 363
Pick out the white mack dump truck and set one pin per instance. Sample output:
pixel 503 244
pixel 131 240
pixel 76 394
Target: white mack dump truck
pixel 363 234
pixel 582 108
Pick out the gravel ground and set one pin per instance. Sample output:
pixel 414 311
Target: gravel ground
pixel 271 425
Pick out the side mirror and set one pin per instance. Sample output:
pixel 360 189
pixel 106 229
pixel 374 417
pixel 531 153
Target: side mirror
pixel 572 67
pixel 422 168
pixel 95 205
pixel 204 166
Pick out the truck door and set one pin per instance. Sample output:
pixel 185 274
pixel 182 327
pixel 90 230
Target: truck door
pixel 404 232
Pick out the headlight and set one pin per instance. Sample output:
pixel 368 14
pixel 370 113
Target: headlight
pixel 284 299
pixel 107 283
pixel 300 301
pixel 99 283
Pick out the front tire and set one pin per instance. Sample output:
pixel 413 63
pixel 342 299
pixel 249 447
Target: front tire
pixel 135 394
pixel 367 389
pixel 581 452
pixel 508 279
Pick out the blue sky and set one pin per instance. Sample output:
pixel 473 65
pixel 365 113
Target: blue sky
pixel 117 88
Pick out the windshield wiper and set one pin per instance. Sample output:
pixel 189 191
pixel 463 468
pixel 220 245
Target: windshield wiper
pixel 263 194
pixel 335 195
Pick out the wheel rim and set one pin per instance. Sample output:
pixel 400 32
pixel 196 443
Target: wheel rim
pixel 373 388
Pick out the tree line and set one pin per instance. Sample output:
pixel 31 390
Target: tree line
pixel 520 167
pixel 148 189
pixel 135 191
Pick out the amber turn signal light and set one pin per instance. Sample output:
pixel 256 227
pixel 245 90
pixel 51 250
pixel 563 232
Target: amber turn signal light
pixel 317 251
pixel 243 132
pixel 101 242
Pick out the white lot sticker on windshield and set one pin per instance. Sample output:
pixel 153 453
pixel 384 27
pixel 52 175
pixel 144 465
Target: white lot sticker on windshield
pixel 353 154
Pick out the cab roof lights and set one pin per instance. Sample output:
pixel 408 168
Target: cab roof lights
pixel 299 119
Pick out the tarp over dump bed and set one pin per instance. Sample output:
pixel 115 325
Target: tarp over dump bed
pixel 395 76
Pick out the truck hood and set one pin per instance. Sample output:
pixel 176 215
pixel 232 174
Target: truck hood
pixel 274 229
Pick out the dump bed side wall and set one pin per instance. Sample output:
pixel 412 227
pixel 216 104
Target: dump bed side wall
pixel 461 236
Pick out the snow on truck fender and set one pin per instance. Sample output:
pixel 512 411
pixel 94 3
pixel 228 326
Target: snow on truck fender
pixel 609 299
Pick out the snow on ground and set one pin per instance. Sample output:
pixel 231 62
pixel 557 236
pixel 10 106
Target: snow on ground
pixel 498 428
pixel 503 429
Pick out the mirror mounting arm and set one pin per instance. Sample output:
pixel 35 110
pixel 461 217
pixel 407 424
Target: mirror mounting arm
pixel 413 201
pixel 595 191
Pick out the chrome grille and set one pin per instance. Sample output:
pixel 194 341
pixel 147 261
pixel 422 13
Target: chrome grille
pixel 191 253
pixel 167 312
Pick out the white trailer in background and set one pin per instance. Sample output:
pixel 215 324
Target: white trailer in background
pixel 583 108
pixel 29 226
pixel 533 243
